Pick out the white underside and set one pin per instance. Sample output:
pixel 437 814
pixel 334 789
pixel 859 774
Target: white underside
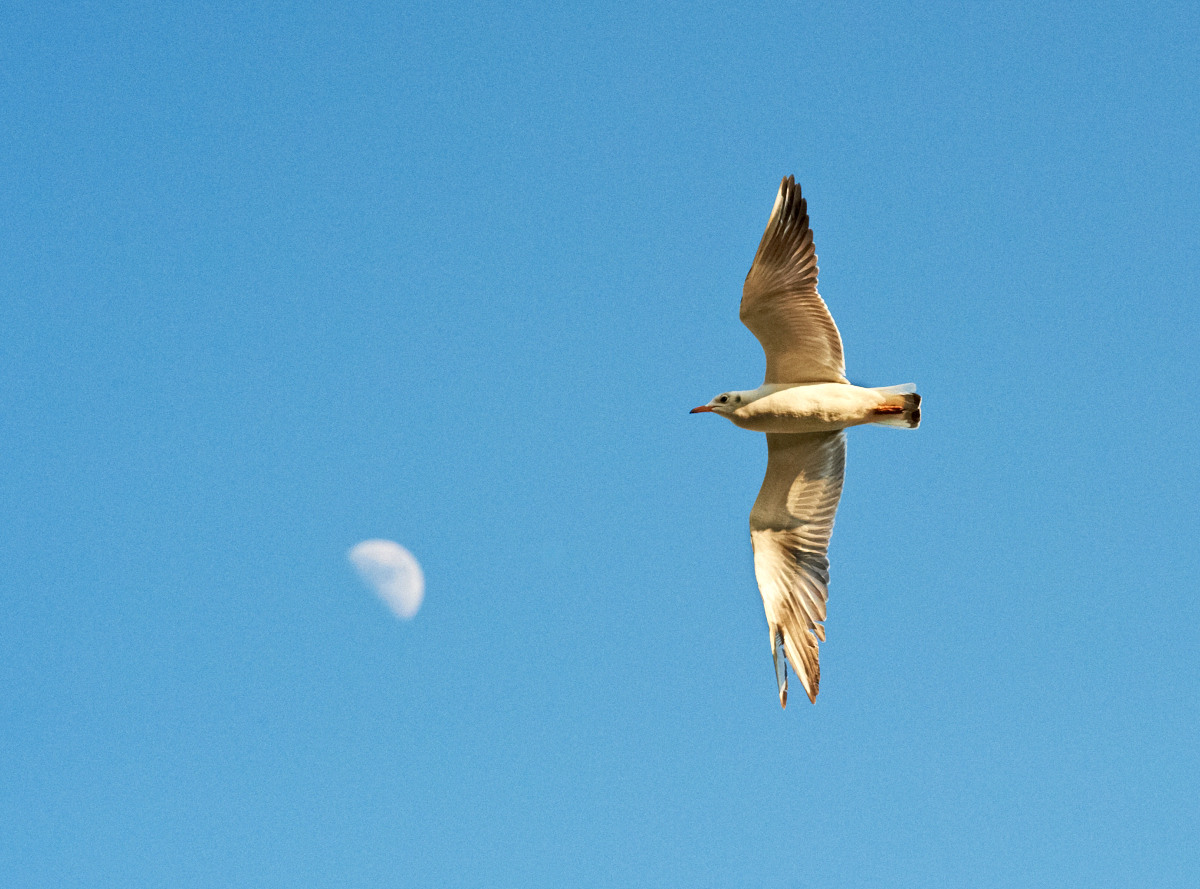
pixel 810 407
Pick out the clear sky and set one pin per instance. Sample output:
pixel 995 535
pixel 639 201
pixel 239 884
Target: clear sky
pixel 278 278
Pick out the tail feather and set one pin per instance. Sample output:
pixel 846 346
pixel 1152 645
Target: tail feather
pixel 902 407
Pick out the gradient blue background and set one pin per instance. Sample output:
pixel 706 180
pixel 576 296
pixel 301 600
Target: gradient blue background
pixel 280 277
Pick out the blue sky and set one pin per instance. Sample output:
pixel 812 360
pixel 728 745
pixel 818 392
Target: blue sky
pixel 280 278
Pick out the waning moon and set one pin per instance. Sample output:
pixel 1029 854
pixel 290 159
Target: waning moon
pixel 392 572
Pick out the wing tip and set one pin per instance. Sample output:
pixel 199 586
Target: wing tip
pixel 805 663
pixel 812 684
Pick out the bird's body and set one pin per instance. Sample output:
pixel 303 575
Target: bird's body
pixel 811 407
pixel 803 406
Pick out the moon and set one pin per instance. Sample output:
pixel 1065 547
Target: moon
pixel 392 572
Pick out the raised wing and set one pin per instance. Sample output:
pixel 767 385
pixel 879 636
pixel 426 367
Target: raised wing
pixel 790 527
pixel 780 303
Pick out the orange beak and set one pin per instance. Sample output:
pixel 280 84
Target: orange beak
pixel 703 409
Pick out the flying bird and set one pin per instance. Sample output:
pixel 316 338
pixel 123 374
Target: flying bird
pixel 803 406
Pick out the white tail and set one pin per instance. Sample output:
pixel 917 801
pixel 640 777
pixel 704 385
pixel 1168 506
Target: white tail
pixel 902 407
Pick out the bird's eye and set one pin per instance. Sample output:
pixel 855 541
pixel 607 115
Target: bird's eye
pixel 723 399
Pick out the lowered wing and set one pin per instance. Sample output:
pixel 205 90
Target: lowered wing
pixel 790 527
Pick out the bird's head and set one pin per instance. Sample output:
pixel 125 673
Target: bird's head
pixel 725 404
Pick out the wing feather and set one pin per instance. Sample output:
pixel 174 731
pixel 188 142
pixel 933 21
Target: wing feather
pixel 780 303
pixel 790 527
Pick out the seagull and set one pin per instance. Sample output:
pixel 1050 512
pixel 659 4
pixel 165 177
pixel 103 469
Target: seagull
pixel 803 406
